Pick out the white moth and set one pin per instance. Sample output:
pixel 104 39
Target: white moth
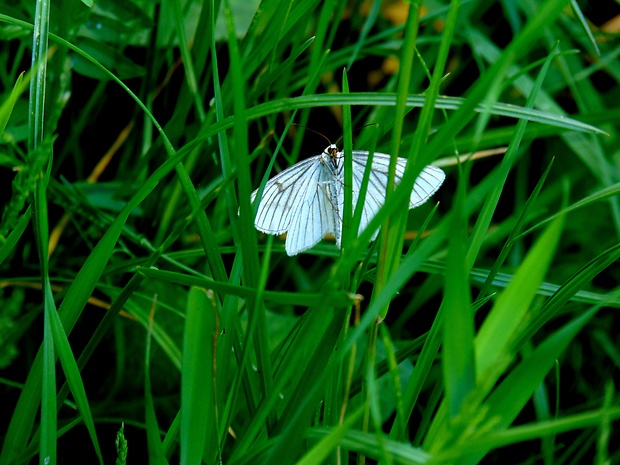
pixel 306 200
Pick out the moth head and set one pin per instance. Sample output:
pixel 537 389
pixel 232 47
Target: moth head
pixel 331 151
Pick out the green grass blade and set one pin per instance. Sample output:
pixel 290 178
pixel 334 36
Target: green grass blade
pixel 513 234
pixel 246 234
pixel 72 306
pixel 206 232
pixel 303 363
pixel 603 194
pixel 47 446
pixel 6 109
pixel 514 302
pixel 74 379
pixel 361 198
pixel 188 62
pixel 583 22
pixel 493 343
pixel 301 403
pixel 392 231
pixel 413 101
pixel 422 369
pixel 458 360
pixel 366 443
pixel 10 242
pixel 361 98
pixel 40 160
pixel 197 383
pixel 329 442
pixel 368 24
pixel 509 398
pixel 153 437
pixel 575 283
pixel 335 297
pixel 522 433
pixel 490 205
pixel 348 233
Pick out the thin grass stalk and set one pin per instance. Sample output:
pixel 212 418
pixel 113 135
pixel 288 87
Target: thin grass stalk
pixel 40 164
pixel 389 241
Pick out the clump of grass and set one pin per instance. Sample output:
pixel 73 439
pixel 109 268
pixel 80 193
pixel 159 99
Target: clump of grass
pixel 128 237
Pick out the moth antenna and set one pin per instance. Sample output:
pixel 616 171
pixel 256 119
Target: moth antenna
pixel 356 130
pixel 316 132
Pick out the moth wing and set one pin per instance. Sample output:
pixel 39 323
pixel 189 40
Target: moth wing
pixel 315 216
pixel 425 186
pixel 284 194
